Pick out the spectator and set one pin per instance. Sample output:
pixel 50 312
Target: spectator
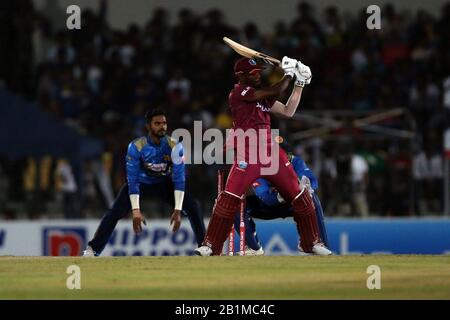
pixel 99 79
pixel 179 85
pixel 90 203
pixel 360 180
pixel 69 189
pixel 33 200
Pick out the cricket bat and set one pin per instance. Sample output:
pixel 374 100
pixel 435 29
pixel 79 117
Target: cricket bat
pixel 250 53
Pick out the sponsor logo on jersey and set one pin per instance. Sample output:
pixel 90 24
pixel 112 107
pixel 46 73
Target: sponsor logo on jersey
pixel 263 107
pixel 156 167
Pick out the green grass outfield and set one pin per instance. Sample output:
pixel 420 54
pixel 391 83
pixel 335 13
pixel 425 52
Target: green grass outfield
pixel 296 277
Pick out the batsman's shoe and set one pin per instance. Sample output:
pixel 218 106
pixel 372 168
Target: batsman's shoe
pixel 300 250
pixel 89 252
pixel 320 250
pixel 204 251
pixel 251 252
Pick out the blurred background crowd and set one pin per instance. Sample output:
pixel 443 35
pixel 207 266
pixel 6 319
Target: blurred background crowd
pixel 99 81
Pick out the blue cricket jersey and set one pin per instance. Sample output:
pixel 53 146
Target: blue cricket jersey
pixel 151 163
pixel 268 194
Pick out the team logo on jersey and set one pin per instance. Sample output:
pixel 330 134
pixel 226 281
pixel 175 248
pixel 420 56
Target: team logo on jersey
pixel 252 62
pixel 256 184
pixel 243 164
pixel 279 139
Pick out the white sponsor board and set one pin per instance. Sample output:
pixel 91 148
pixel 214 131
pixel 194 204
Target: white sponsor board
pixel 70 238
pixel 58 237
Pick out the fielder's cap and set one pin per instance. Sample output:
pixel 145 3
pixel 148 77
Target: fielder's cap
pixel 246 65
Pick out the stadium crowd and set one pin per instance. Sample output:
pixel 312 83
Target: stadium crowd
pixel 101 80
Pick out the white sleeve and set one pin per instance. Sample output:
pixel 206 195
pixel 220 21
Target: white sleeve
pixel 134 199
pixel 179 197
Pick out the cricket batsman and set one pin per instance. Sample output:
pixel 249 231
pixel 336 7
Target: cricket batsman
pixel 251 106
pixel 268 204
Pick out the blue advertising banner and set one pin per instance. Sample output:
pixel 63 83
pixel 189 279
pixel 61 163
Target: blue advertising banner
pixel 355 236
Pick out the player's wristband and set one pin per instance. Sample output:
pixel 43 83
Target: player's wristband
pixel 134 199
pixel 179 196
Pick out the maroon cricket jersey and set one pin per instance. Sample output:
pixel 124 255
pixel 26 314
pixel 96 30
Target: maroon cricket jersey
pixel 250 114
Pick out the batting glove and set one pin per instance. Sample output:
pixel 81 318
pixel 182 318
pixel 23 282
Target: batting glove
pixel 303 74
pixel 289 65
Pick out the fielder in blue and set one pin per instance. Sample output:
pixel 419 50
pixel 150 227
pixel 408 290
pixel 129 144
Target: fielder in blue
pixel 155 169
pixel 267 204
